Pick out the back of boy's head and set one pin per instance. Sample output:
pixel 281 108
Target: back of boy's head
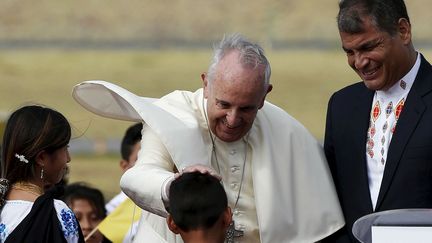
pixel 131 137
pixel 196 201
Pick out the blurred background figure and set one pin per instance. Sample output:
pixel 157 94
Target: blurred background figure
pixel 127 214
pixel 130 146
pixel 198 208
pixel 88 204
pixel 35 154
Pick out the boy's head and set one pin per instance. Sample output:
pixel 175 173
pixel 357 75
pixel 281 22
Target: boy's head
pixel 198 203
pixel 130 146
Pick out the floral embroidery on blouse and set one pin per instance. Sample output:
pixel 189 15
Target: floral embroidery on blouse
pixel 69 222
pixel 3 232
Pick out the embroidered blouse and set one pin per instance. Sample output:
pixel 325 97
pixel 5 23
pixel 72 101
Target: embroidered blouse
pixel 14 211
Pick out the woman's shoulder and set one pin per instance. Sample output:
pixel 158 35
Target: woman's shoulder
pixel 59 204
pixel 68 221
pixel 12 213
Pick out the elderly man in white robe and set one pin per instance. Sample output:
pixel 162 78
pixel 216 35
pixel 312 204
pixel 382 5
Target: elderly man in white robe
pixel 273 170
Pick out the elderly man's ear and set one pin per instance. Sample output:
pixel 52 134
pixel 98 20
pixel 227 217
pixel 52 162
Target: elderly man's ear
pixel 205 84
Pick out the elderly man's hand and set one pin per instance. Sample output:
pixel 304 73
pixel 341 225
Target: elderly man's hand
pixel 199 168
pixel 193 168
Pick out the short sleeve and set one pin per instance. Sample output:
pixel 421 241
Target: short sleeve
pixel 68 221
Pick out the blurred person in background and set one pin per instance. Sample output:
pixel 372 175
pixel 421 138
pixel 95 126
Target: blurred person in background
pixel 35 153
pixel 198 208
pixel 378 133
pixel 271 167
pixel 88 204
pixel 130 145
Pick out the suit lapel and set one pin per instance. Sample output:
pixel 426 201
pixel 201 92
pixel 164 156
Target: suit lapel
pixel 410 116
pixel 361 117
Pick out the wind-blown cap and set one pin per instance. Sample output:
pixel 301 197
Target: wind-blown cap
pixel 112 101
pixel 98 97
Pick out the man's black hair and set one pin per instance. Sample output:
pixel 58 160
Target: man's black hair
pixel 385 15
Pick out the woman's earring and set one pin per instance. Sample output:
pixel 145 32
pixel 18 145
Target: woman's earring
pixel 41 174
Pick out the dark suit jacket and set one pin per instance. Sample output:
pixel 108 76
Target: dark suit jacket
pixel 407 179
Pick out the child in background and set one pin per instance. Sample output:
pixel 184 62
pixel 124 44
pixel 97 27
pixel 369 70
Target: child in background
pixel 130 146
pixel 89 207
pixel 198 208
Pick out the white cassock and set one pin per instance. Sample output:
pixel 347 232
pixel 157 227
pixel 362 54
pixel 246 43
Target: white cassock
pixel 293 195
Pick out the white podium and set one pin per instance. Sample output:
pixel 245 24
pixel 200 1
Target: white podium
pixel 395 226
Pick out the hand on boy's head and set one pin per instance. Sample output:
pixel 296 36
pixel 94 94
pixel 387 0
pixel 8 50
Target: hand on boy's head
pixel 199 168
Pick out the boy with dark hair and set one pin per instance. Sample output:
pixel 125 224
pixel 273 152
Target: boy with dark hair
pixel 198 208
pixel 130 145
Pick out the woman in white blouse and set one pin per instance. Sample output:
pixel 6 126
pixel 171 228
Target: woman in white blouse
pixel 35 154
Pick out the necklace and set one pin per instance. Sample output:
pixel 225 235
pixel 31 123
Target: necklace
pixel 28 187
pixel 232 232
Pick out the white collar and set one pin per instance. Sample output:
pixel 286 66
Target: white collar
pixel 397 89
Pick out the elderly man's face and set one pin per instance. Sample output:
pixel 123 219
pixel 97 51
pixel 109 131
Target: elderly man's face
pixel 234 98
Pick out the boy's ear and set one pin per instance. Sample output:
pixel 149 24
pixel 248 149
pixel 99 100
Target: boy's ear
pixel 172 225
pixel 227 217
pixel 124 165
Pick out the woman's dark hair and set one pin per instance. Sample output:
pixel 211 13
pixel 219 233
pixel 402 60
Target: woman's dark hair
pixel 30 130
pixel 80 190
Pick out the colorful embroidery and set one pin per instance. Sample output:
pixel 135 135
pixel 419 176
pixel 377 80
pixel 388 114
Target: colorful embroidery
pixel 403 84
pixel 370 143
pixel 376 111
pixel 385 126
pixel 372 131
pixel 389 109
pixel 371 153
pixel 69 222
pixel 399 108
pixel 393 128
pixel 3 232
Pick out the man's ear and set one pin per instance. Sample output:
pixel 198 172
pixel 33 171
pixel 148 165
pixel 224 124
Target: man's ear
pixel 269 89
pixel 404 29
pixel 172 225
pixel 205 84
pixel 227 217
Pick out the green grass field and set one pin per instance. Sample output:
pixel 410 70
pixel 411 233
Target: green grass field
pixel 303 81
pixel 100 171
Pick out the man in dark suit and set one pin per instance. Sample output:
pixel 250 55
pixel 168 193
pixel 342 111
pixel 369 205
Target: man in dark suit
pixel 378 139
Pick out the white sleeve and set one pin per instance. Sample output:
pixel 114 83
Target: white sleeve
pixel 68 221
pixel 115 202
pixel 143 182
